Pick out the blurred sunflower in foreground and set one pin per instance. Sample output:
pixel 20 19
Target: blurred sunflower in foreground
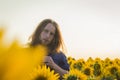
pixel 16 61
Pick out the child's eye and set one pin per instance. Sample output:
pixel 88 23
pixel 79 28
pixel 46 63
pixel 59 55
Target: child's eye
pixel 51 33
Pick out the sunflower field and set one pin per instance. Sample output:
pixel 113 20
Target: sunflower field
pixel 23 63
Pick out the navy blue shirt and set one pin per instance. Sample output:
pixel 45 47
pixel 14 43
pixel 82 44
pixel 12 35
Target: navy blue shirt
pixel 60 59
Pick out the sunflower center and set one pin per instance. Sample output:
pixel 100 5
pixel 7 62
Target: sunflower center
pixel 41 78
pixel 87 71
pixel 78 66
pixel 113 70
pixel 72 77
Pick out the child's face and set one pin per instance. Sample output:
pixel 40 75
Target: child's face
pixel 47 34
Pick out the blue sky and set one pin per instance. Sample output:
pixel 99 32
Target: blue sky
pixel 90 28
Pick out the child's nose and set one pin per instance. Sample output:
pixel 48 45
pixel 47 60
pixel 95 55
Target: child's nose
pixel 48 34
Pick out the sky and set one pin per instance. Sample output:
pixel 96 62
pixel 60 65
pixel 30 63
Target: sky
pixel 90 28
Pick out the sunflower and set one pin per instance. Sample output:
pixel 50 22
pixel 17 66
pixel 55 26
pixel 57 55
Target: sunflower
pixel 90 62
pixel 87 70
pixel 106 62
pixel 75 74
pixel 70 60
pixel 77 65
pixel 97 69
pixel 117 61
pixel 43 73
pixel 17 62
pixel 112 71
